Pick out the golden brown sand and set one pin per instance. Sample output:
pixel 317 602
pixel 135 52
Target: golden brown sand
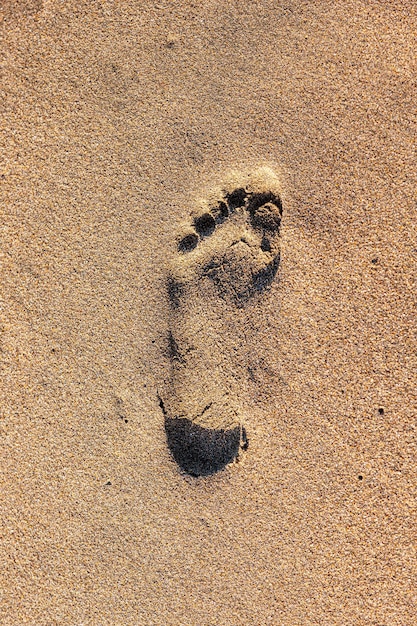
pixel 117 116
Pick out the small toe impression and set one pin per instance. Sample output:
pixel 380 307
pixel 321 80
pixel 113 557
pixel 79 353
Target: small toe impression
pixel 265 210
pixel 205 225
pixel 188 243
pixel 201 451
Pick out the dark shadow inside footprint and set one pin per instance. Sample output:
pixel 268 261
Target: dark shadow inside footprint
pixel 256 200
pixel 265 244
pixel 263 279
pixel 236 198
pixel 173 349
pixel 174 289
pixel 200 451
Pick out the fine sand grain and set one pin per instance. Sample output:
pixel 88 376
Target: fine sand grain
pixel 208 313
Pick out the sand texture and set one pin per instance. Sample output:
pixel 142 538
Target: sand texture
pixel 207 395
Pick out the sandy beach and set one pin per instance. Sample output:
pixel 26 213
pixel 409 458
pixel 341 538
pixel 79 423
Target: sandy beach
pixel 122 122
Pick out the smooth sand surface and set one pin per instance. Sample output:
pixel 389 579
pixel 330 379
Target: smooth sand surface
pixel 116 117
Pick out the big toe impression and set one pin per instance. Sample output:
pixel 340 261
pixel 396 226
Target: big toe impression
pixel 265 210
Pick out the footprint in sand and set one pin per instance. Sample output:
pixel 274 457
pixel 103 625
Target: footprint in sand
pixel 227 257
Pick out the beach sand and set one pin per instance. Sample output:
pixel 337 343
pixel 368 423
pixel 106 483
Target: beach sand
pixel 119 118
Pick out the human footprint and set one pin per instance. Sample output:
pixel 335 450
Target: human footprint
pixel 228 255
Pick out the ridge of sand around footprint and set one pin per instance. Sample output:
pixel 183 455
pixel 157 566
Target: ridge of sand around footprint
pixel 228 254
